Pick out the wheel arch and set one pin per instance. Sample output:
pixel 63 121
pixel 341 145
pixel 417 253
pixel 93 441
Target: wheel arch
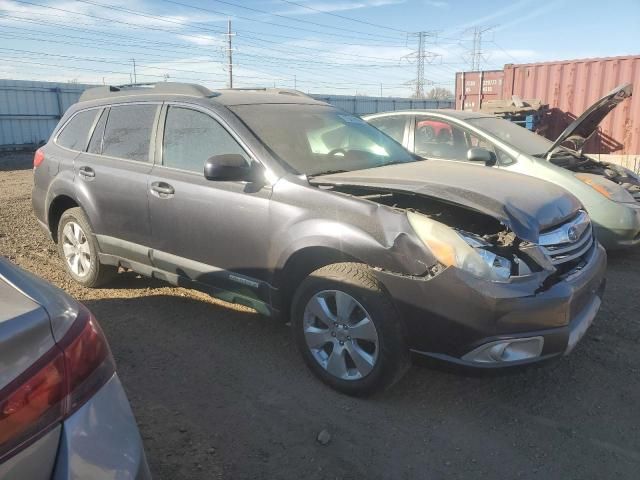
pixel 299 265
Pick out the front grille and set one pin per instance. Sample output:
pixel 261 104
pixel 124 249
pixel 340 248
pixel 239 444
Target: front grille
pixel 566 245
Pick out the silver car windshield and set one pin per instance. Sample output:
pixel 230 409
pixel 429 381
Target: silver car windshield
pixel 518 137
pixel 316 139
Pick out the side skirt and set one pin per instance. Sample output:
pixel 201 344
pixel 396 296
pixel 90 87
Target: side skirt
pixel 219 283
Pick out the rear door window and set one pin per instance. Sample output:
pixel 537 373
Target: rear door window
pixel 75 134
pixel 128 132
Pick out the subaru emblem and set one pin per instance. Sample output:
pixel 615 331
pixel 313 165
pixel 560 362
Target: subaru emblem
pixel 572 233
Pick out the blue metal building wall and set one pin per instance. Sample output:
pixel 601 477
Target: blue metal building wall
pixel 29 111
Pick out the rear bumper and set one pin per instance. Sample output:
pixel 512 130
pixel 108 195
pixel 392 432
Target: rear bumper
pixel 101 440
pixel 453 314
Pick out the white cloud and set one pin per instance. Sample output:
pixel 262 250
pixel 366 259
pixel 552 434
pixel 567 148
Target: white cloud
pixel 337 7
pixel 437 3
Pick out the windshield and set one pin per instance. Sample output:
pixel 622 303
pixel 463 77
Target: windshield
pixel 316 139
pixel 518 137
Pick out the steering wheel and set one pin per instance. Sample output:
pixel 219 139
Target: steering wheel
pixel 335 151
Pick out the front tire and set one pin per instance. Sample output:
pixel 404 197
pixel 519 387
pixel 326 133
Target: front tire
pixel 348 331
pixel 78 249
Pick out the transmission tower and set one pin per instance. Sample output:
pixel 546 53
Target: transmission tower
pixel 421 56
pixel 476 56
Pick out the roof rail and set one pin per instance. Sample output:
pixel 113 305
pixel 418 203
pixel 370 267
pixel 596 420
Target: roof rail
pixel 279 91
pixel 167 88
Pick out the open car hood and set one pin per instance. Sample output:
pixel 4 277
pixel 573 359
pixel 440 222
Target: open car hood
pixel 524 204
pixel 586 124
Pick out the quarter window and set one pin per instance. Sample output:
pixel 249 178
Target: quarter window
pixel 128 132
pixel 191 137
pixel 392 126
pixel 75 134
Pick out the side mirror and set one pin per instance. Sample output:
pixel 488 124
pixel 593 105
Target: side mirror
pixel 479 154
pixel 231 167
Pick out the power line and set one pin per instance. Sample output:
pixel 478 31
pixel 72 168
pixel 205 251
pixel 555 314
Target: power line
pixel 344 17
pixel 265 12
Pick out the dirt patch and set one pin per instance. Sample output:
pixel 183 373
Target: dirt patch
pixel 219 391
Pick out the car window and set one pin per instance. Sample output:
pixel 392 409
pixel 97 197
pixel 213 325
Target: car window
pixel 191 137
pixel 392 126
pixel 75 134
pixel 128 132
pixel 95 144
pixel 436 138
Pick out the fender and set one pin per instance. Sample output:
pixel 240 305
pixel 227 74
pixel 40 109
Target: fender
pixel 404 253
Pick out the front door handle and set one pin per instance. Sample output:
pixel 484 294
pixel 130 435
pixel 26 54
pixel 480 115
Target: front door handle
pixel 86 172
pixel 163 189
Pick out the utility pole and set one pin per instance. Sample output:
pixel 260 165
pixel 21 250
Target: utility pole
pixel 135 77
pixel 420 65
pixel 295 83
pixel 229 54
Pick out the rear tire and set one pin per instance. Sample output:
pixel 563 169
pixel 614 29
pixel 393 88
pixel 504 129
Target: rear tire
pixel 348 330
pixel 79 251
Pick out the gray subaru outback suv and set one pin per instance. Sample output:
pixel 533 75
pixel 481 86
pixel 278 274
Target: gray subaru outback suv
pixel 274 200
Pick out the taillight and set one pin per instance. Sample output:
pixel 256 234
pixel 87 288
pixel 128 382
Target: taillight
pixel 38 158
pixel 55 386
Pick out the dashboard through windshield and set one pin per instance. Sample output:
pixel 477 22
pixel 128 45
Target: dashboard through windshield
pixel 316 139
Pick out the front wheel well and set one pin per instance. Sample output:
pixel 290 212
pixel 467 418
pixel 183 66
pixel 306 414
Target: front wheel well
pixel 59 205
pixel 299 266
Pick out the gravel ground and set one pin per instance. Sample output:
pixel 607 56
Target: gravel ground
pixel 220 392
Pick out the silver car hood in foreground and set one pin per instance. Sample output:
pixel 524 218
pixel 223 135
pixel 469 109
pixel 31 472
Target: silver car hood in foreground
pixel 525 204
pixel 586 124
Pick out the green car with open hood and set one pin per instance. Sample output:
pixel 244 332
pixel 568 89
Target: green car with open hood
pixel 609 192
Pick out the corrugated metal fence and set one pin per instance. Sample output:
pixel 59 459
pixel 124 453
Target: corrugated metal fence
pixel 364 105
pixel 29 111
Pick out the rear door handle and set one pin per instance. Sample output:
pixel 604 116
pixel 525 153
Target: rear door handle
pixel 86 172
pixel 163 189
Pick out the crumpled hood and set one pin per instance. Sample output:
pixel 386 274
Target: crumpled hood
pixel 525 204
pixel 586 124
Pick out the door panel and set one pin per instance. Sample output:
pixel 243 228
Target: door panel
pixel 113 191
pixel 218 226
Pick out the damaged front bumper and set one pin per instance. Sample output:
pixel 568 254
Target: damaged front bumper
pixel 464 320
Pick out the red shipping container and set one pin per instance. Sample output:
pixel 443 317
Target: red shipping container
pixel 570 87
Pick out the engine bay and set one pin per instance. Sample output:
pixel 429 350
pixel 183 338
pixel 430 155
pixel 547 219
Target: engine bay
pixel 486 230
pixel 612 172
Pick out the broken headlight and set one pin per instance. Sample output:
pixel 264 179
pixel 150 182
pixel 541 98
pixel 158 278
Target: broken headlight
pixel 460 250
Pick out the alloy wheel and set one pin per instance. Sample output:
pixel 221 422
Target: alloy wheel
pixel 77 252
pixel 341 335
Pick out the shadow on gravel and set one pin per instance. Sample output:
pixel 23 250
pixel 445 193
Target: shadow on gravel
pixel 223 392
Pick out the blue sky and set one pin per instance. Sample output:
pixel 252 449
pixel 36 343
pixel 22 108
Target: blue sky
pixel 319 46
